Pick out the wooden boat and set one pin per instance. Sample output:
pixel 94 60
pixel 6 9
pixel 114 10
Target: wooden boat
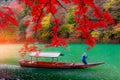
pixel 40 64
pixel 56 64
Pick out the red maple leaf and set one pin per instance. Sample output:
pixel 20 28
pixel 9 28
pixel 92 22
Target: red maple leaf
pixel 66 1
pixel 39 8
pixel 7 17
pixel 27 23
pixel 29 2
pixel 108 18
pixel 31 40
pixel 37 27
pixel 56 21
pixel 91 41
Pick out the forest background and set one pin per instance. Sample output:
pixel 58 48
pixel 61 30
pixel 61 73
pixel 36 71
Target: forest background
pixel 67 26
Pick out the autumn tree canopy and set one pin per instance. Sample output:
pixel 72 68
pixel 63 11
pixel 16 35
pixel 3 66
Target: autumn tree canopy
pixel 40 8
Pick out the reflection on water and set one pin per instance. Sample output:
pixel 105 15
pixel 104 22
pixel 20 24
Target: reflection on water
pixel 9 52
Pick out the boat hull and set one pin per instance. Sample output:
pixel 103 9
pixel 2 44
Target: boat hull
pixel 56 64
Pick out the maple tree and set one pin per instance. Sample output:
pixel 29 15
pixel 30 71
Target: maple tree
pixel 84 25
pixel 7 18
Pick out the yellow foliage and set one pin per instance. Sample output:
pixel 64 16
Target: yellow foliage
pixel 70 27
pixel 70 15
pixel 95 33
pixel 45 35
pixel 46 20
pixel 5 35
pixel 108 4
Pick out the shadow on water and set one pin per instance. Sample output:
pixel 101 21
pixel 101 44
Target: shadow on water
pixel 64 74
pixel 26 73
pixel 96 73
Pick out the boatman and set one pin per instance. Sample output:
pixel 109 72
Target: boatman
pixel 84 57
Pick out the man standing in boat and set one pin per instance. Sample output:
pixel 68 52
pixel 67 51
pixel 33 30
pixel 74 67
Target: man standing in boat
pixel 84 57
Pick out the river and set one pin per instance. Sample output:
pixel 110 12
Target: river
pixel 108 53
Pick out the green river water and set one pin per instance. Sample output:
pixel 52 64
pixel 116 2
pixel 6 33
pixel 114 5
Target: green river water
pixel 108 53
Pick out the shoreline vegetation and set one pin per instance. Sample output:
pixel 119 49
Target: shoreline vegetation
pixel 70 41
pixel 67 27
pixel 103 37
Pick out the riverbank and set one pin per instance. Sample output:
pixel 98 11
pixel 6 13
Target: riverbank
pixel 71 40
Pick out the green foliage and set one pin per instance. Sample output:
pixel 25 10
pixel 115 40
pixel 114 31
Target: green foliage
pixel 117 32
pixel 67 28
pixel 45 32
pixel 70 16
pixel 64 29
pixel 26 10
pixel 22 27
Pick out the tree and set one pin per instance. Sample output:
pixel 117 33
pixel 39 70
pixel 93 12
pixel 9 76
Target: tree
pixel 45 32
pixel 113 7
pixel 7 17
pixel 70 15
pixel 40 8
